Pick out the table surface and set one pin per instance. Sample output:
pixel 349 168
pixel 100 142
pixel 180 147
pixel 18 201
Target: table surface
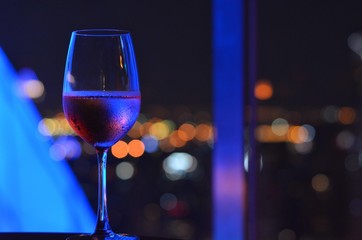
pixel 53 236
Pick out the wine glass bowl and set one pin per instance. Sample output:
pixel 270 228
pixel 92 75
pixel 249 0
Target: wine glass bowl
pixel 101 101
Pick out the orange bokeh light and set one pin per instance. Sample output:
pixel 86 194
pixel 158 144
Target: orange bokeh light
pixel 175 139
pixel 263 90
pixel 204 132
pixel 346 115
pixel 187 131
pixel 135 131
pixel 120 149
pixel 136 148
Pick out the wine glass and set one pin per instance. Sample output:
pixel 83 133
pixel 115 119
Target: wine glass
pixel 101 101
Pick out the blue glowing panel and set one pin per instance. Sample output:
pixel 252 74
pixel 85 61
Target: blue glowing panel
pixel 37 194
pixel 228 184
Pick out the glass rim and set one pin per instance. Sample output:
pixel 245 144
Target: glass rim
pixel 99 32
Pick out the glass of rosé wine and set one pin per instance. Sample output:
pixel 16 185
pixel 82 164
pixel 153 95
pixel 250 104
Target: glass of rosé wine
pixel 101 101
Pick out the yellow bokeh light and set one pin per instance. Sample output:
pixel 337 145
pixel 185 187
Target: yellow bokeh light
pixel 263 90
pixel 136 148
pixel 32 88
pixel 160 130
pixel 120 149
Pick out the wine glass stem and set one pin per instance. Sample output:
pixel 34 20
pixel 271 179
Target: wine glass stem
pixel 103 227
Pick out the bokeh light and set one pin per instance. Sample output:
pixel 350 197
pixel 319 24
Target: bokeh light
pixel 187 131
pixel 177 164
pixel 67 147
pixel 125 170
pixel 175 139
pixel 280 126
pixel 29 85
pixel 330 114
pixel 304 147
pixel 263 89
pixel 136 148
pixel 120 149
pixel 320 182
pixel 345 139
pixel 162 129
pixel 151 143
pixel 346 115
pixel 135 131
pixel 168 201
pixel 204 132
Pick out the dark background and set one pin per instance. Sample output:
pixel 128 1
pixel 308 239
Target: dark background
pixel 172 43
pixel 302 50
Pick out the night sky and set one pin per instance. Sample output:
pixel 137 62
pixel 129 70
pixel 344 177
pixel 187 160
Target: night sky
pixel 303 51
pixel 171 39
pixel 302 46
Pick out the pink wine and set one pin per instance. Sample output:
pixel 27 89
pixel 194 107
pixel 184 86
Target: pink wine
pixel 101 118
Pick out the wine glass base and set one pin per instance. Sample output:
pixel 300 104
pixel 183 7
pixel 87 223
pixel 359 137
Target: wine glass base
pixel 103 237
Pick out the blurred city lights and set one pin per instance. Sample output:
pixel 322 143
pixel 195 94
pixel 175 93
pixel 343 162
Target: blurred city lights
pixel 33 88
pixel 125 170
pixel 177 164
pixel 298 134
pixel 136 148
pixel 135 131
pixel 168 201
pixel 320 182
pixel 345 139
pixel 57 126
pixel 156 134
pixel 29 85
pixel 280 126
pixel 187 131
pixel 310 132
pixel 204 132
pixel 330 114
pixel 304 148
pixel 161 130
pixel 281 131
pixel 166 146
pixel 120 149
pixel 151 143
pixel 346 115
pixel 175 139
pixel 57 152
pixel 263 89
pixel 65 148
